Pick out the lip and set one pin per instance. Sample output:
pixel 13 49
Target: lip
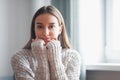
pixel 46 39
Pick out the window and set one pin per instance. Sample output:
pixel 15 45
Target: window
pixel 113 31
pixel 91 31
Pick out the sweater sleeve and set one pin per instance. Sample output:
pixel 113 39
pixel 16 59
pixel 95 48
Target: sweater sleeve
pixel 57 70
pixel 70 70
pixel 21 67
pixel 38 49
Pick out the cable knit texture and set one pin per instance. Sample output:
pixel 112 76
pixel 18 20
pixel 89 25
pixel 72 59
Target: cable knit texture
pixel 46 62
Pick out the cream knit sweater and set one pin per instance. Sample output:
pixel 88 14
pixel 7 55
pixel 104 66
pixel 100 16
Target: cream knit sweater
pixel 49 62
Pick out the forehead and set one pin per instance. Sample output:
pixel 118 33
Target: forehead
pixel 46 18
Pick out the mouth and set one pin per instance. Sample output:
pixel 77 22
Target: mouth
pixel 46 39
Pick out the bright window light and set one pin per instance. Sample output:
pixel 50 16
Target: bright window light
pixel 91 30
pixel 113 31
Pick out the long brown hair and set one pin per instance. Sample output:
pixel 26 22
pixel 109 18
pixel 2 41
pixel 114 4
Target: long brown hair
pixel 63 37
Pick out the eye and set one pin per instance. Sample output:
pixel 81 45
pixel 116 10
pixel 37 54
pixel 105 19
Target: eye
pixel 52 26
pixel 39 26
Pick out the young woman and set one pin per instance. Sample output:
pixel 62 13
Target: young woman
pixel 48 54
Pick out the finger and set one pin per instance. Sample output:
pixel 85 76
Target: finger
pixel 33 40
pixel 53 39
pixel 36 38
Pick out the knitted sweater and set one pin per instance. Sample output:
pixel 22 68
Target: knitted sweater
pixel 49 62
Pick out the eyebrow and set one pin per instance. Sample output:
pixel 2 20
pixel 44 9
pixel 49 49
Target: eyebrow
pixel 42 24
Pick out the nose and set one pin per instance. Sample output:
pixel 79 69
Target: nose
pixel 46 32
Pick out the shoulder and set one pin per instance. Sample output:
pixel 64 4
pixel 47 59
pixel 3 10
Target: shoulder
pixel 21 55
pixel 71 52
pixel 23 59
pixel 22 52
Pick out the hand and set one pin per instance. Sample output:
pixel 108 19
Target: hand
pixel 47 40
pixel 53 44
pixel 37 44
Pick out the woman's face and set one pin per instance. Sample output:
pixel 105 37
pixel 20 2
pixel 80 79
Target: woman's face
pixel 47 27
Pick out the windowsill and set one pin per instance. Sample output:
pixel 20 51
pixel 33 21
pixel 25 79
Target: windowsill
pixel 104 66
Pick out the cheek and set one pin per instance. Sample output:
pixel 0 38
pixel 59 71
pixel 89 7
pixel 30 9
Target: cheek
pixel 37 33
pixel 55 34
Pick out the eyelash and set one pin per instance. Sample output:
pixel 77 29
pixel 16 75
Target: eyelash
pixel 39 26
pixel 50 27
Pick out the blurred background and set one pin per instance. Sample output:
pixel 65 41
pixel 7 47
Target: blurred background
pixel 93 27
